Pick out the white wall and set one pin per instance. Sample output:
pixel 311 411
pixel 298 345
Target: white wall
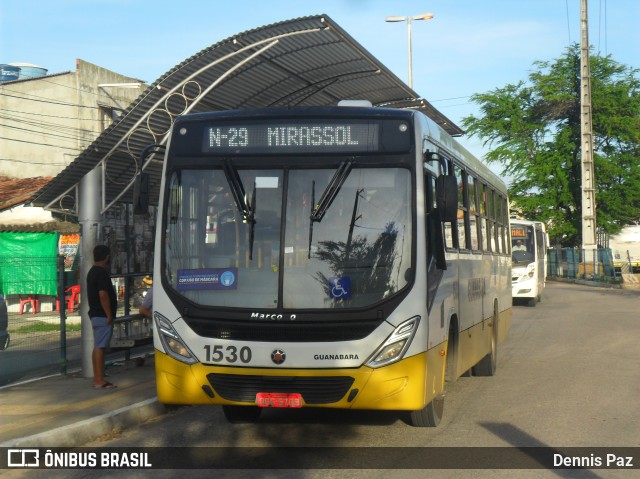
pixel 25 215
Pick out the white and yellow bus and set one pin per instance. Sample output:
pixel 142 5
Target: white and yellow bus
pixel 339 257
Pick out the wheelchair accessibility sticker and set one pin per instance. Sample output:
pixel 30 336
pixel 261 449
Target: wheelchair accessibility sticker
pixel 340 287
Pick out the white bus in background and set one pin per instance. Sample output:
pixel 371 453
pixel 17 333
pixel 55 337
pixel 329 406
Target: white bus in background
pixel 529 242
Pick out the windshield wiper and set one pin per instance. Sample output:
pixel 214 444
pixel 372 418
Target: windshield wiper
pixel 330 192
pixel 252 220
pixel 248 212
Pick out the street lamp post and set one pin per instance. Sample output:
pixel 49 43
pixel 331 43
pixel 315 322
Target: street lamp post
pixel 423 16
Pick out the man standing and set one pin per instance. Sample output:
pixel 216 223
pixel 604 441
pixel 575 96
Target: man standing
pixel 102 310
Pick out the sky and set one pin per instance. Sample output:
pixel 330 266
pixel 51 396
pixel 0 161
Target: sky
pixel 469 46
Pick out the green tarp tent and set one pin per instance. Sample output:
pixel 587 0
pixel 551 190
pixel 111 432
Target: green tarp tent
pixel 28 263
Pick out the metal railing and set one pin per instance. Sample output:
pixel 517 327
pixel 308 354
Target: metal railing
pixel 589 265
pixel 44 341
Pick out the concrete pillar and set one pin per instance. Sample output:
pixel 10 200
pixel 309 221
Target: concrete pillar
pixel 90 219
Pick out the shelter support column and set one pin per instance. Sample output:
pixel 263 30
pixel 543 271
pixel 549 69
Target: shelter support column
pixel 90 219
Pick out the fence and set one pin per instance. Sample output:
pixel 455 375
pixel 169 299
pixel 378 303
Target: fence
pixel 626 264
pixel 589 265
pixel 44 324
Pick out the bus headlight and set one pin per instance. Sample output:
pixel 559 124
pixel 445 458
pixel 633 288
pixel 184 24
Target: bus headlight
pixel 173 344
pixel 396 345
pixel 531 270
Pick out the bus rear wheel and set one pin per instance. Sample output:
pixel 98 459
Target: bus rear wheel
pixel 241 414
pixel 488 365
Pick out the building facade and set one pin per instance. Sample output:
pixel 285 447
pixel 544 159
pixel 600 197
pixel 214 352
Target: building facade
pixel 48 120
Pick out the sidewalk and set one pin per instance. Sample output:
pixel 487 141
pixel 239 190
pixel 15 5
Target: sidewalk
pixel 66 411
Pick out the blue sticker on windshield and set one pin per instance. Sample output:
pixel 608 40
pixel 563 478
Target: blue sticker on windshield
pixel 227 279
pixel 340 287
pixel 207 279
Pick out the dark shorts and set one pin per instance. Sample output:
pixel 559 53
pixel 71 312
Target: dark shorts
pixel 101 332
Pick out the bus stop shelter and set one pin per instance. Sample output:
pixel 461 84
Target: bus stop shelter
pixel 308 61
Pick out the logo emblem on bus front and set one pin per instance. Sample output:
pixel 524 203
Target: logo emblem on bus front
pixel 278 356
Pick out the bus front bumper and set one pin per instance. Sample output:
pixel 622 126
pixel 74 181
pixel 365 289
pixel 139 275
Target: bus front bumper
pixel 404 385
pixel 524 288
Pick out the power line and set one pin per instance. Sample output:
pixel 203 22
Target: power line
pixel 40 144
pixel 457 104
pixel 599 24
pixel 452 98
pixel 34 162
pixel 602 25
pixel 566 2
pixel 606 49
pixel 50 116
pixel 46 133
pixel 47 126
pixel 47 100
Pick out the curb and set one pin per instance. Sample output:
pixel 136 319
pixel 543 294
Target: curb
pixel 595 284
pixel 584 282
pixel 80 433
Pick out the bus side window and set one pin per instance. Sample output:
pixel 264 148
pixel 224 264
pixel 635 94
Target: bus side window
pixel 473 213
pixel 482 220
pixel 451 227
pixel 463 214
pixel 505 220
pixel 430 206
pixel 491 220
pixel 499 225
pixel 540 243
pixel 432 222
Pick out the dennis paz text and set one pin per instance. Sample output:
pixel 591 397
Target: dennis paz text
pixel 608 460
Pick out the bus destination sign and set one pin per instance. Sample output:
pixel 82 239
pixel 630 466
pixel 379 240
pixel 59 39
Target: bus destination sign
pixel 298 137
pixel 518 233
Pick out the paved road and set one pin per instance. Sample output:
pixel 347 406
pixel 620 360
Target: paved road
pixel 568 375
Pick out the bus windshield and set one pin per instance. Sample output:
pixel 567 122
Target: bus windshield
pixel 269 249
pixel 522 244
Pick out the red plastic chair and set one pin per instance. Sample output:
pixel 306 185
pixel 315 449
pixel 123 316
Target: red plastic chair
pixel 72 299
pixel 33 301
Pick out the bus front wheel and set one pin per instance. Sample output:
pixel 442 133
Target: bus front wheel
pixel 430 415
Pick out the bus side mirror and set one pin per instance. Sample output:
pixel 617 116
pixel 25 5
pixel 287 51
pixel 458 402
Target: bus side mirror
pixel 447 197
pixel 141 194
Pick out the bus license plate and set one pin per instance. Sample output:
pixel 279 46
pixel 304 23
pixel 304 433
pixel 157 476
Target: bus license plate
pixel 279 400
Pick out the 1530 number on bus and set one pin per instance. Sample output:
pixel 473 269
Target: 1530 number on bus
pixel 231 354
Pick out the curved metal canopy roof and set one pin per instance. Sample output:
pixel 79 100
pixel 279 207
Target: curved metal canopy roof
pixel 309 61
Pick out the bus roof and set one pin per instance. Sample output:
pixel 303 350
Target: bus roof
pixel 437 134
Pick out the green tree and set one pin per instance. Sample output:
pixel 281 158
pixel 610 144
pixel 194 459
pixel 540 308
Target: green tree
pixel 532 129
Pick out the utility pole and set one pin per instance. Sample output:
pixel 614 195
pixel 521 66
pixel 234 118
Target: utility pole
pixel 586 137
